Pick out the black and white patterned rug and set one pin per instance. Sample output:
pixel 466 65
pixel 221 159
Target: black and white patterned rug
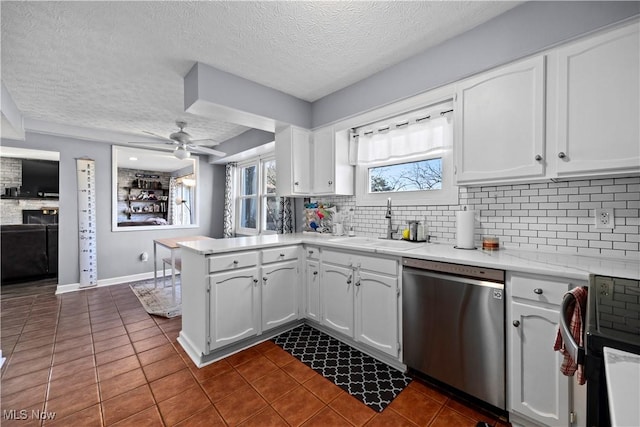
pixel 362 376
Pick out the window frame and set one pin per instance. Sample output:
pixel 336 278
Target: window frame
pixel 448 194
pixel 260 197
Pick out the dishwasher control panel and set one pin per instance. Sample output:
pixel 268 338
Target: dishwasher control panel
pixel 456 269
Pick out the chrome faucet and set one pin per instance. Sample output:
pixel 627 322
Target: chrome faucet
pixel 388 217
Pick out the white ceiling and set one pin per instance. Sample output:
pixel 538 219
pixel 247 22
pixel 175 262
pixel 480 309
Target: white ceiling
pixel 119 66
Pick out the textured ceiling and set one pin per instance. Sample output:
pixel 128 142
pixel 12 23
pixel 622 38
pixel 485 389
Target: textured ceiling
pixel 120 65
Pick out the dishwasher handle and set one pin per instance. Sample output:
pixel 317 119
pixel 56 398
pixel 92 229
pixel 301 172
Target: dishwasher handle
pixel 571 346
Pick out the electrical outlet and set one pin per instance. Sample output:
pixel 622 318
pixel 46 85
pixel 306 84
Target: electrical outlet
pixel 604 218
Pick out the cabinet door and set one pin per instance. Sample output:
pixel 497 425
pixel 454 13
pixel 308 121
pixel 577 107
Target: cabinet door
pixel 499 124
pixel 337 298
pixel 376 298
pixel 537 388
pixel 293 157
pixel 234 306
pixel 312 294
pixel 279 294
pixel 597 126
pixel 324 163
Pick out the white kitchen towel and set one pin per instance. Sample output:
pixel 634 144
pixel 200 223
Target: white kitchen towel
pixel 465 229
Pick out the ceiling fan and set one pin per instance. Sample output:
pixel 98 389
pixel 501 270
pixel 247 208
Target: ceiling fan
pixel 184 144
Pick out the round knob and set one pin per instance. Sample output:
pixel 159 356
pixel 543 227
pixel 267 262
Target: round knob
pixel 537 291
pixel 235 262
pixel 330 182
pixel 264 279
pixel 348 281
pixel 296 183
pixel 516 323
pixel 315 273
pixel 310 252
pixel 255 280
pixel 358 283
pixel 562 155
pixel 538 157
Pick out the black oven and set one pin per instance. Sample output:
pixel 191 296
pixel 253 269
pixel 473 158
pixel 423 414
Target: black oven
pixel 612 320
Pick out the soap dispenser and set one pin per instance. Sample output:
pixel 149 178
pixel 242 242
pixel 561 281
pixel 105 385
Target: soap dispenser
pixel 352 230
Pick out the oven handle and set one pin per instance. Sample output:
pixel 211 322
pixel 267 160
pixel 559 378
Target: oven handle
pixel 575 351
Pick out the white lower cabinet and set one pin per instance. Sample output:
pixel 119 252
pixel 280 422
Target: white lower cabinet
pixel 360 299
pixel 376 298
pixel 234 306
pixel 538 391
pixel 279 293
pixel 337 297
pixel 312 294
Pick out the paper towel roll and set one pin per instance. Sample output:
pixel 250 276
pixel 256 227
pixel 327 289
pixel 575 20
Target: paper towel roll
pixel 465 228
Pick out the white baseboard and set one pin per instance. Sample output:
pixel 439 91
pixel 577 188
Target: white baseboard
pixel 73 287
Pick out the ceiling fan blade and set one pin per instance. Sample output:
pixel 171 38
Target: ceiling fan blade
pixel 206 150
pixel 151 143
pixel 208 142
pixel 156 135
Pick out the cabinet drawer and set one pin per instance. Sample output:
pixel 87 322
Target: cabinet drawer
pixel 540 289
pixel 279 254
pixel 232 261
pixel 311 252
pixel 370 263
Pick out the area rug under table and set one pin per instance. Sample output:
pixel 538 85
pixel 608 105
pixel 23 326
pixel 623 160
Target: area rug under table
pixel 365 378
pixel 158 301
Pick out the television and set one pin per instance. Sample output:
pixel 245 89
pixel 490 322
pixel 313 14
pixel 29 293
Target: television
pixel 40 178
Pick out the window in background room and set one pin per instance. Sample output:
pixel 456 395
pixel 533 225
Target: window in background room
pixel 257 206
pixel 407 158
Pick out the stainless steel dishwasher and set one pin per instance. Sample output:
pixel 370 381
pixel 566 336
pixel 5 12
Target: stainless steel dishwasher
pixel 453 326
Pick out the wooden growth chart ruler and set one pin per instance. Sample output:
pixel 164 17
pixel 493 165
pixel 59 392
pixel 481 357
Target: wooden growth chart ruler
pixel 87 222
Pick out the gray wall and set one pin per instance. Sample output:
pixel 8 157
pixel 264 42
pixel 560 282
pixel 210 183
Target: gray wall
pixel 118 252
pixel 521 31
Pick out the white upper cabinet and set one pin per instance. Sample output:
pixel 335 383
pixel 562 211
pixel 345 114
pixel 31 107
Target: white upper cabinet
pixel 293 161
pixel 500 123
pixel 332 173
pixel 596 126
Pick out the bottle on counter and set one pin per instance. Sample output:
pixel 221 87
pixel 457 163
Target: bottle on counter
pixel 420 232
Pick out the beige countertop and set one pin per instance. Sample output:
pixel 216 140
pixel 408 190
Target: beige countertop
pixel 548 263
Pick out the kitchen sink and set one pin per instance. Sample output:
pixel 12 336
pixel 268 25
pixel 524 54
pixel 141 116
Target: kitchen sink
pixel 400 245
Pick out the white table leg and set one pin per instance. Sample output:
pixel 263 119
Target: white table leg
pixel 155 268
pixel 173 276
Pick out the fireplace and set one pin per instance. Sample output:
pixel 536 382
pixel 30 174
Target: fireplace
pixel 40 216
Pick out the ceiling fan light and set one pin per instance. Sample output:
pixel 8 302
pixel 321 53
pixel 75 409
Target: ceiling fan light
pixel 181 153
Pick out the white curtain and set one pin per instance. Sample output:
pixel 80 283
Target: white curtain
pixel 403 137
pixel 228 227
pixel 171 206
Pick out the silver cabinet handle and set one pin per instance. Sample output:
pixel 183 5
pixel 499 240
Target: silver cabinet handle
pixel 282 255
pixel 255 281
pixel 315 273
pixel 330 182
pixel 537 291
pixel 296 183
pixel 516 323
pixel 538 157
pixel 264 280
pixel 562 155
pixel 310 252
pixel 357 283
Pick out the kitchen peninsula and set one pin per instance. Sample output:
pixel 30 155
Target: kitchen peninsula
pixel 249 260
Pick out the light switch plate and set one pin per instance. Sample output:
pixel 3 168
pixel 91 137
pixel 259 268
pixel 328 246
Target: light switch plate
pixel 604 218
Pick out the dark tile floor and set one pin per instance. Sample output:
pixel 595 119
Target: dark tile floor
pixel 96 358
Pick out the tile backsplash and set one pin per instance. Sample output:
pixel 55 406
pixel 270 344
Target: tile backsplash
pixel 551 216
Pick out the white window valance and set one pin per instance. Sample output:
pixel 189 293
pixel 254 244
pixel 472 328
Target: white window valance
pixel 403 137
